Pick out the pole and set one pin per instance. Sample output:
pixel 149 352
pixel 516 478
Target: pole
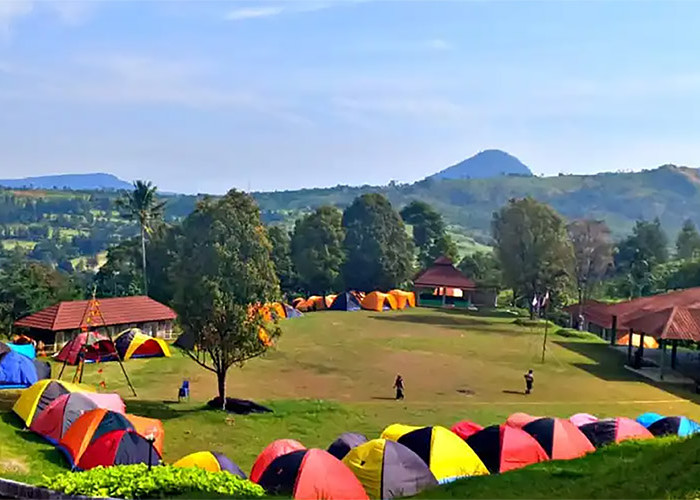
pixel 150 454
pixel 613 332
pixel 629 347
pixel 546 325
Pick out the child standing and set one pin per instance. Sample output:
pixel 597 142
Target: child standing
pixel 398 384
pixel 529 381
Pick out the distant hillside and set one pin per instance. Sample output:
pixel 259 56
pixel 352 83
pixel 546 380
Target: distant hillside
pixel 669 192
pixel 77 182
pixel 489 163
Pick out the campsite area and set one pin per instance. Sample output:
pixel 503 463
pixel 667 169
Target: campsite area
pixel 332 372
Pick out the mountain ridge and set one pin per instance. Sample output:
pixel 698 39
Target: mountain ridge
pixel 77 182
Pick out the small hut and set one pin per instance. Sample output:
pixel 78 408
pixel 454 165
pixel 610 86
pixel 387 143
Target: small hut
pixel 445 280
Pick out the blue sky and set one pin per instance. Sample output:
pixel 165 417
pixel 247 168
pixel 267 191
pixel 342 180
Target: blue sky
pixel 204 96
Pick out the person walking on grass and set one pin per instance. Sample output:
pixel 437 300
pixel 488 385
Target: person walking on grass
pixel 529 381
pixel 398 384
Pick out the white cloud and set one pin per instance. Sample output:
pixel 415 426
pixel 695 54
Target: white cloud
pixel 253 12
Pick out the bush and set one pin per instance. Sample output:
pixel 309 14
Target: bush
pixel 532 322
pixel 572 333
pixel 134 481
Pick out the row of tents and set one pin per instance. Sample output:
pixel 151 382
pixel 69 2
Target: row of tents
pixel 94 429
pixel 20 368
pixel 355 301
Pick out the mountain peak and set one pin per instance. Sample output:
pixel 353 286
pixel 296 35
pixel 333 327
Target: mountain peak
pixel 75 182
pixel 487 163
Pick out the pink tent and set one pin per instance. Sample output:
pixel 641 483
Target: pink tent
pixel 580 419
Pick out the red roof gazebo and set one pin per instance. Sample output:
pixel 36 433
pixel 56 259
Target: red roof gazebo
pixel 443 275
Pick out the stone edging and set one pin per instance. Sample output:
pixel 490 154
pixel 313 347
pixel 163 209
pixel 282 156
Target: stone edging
pixel 15 489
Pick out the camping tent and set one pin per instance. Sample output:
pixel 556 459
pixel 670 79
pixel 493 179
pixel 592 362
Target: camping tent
pixel 185 341
pixel 679 426
pixel 118 447
pixel 378 301
pixel 17 371
pixel 580 419
pixel 465 428
pixel 561 439
pixel 311 474
pixel 345 302
pixel 133 343
pixel 53 422
pixel 520 419
pixel 646 419
pixel 272 451
pixel 291 312
pixel 388 469
pixel 276 310
pixel 649 342
pixel 37 397
pixel 346 442
pixel 614 430
pixel 211 461
pixel 503 448
pixel 95 346
pixel 27 350
pixel 394 431
pixel 97 423
pixel 403 299
pixel 447 455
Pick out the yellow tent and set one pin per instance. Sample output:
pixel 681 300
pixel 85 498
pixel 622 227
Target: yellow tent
pixel 404 299
pixel 449 456
pixel 277 310
pixel 649 342
pixel 395 431
pixel 37 397
pixel 378 301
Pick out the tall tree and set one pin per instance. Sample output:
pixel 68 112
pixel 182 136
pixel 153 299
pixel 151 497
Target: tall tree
pixel 222 272
pixel 317 250
pixel 688 241
pixel 640 254
pixel 483 268
pixel 429 233
pixel 378 248
pixel 142 205
pixel 533 248
pixel 282 258
pixel 593 252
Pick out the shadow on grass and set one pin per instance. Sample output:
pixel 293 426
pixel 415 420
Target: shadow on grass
pixel 453 321
pixel 508 391
pixel 383 398
pixel 162 410
pixel 51 454
pixel 609 365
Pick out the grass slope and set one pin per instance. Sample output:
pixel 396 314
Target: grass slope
pixel 332 372
pixel 660 468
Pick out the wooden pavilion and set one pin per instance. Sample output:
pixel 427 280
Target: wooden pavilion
pixel 443 278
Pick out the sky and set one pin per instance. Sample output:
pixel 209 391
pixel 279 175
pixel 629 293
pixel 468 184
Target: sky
pixel 203 96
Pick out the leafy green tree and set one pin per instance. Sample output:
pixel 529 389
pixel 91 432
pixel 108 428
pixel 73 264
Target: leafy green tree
pixel 483 268
pixel 593 253
pixel 429 233
pixel 639 255
pixel 688 241
pixel 380 254
pixel 222 271
pixel 142 205
pixel 29 286
pixel 533 248
pixel 282 257
pixel 317 250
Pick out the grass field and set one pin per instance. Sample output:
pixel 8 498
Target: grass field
pixel 333 372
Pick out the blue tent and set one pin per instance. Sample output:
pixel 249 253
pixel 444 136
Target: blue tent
pixel 291 312
pixel 678 426
pixel 16 371
pixel 345 302
pixel 25 349
pixel 646 419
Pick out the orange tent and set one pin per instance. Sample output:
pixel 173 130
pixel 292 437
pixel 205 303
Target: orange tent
pixel 649 342
pixel 316 303
pixel 404 299
pixel 378 301
pixel 328 300
pixel 277 310
pixel 95 423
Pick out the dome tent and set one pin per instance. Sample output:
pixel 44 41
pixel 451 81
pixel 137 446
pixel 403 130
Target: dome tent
pixel 378 301
pixel 503 448
pixel 346 442
pixel 271 452
pixel 559 438
pixel 211 461
pixel 118 447
pixel 94 346
pixel 388 469
pixel 679 426
pixel 133 343
pixel 17 371
pixel 37 397
pixel 614 430
pixel 345 302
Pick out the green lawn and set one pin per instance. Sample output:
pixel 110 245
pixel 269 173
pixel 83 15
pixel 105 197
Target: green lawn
pixel 333 372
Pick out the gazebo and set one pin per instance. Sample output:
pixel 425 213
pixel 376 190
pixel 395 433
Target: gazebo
pixel 672 325
pixel 443 276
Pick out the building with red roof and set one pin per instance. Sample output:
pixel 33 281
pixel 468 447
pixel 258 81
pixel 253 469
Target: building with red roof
pixel 58 324
pixel 443 280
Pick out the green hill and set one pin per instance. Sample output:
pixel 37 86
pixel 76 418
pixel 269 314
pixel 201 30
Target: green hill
pixel 668 192
pixel 659 468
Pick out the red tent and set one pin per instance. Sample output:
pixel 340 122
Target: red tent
pixel 503 448
pixel 273 450
pixel 614 430
pixel 520 419
pixel 95 346
pixel 561 439
pixel 465 428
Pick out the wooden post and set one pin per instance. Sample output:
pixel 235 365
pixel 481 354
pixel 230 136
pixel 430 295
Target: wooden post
pixel 641 347
pixel 416 292
pixel 662 345
pixel 629 347
pixel 674 354
pixel 444 296
pixel 613 331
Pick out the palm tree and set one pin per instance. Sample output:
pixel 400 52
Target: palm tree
pixel 142 205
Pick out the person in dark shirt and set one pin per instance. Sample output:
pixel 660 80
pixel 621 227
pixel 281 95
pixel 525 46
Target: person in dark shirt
pixel 529 381
pixel 398 384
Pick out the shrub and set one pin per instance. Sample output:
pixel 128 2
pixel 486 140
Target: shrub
pixel 532 322
pixel 134 481
pixel 572 333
